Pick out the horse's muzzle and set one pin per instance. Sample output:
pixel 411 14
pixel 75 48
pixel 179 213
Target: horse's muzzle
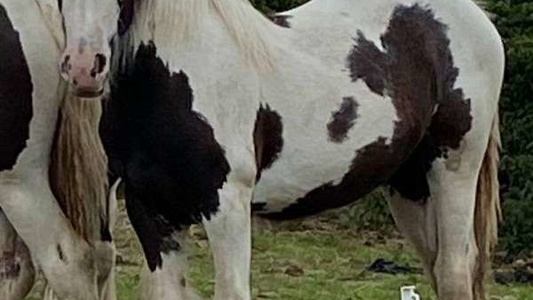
pixel 85 71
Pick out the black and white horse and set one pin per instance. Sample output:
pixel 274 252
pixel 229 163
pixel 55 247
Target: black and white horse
pixel 53 170
pixel 214 107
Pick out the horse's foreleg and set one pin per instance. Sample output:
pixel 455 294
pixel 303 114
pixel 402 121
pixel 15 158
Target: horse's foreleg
pixel 17 274
pixel 168 282
pixel 106 251
pixel 229 233
pixel 66 260
pixel 416 220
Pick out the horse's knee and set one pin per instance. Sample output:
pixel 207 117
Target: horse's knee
pixel 169 282
pixel 71 271
pixel 17 274
pixel 105 262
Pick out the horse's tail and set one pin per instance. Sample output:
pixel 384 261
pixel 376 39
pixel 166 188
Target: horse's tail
pixel 78 169
pixel 488 210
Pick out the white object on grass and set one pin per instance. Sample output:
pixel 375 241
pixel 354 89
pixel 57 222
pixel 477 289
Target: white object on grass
pixel 409 293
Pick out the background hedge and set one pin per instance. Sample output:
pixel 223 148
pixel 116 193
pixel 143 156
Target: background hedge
pixel 514 20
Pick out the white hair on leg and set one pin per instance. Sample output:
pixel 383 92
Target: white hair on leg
pixel 229 233
pixel 169 282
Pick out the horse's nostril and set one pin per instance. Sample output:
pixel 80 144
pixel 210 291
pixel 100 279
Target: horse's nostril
pixel 99 64
pixel 75 82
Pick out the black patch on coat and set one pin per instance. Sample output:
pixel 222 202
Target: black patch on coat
pixel 280 20
pixel 417 72
pixel 268 138
pixel 342 120
pixel 410 180
pixel 258 206
pixel 16 90
pixel 127 12
pixel 165 152
pixel 60 4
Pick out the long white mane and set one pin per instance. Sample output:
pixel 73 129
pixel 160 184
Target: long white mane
pixel 177 21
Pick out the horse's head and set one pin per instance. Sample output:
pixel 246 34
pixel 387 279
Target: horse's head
pixel 90 26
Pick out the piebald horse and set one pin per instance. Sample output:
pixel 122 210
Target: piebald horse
pixel 215 109
pixel 55 216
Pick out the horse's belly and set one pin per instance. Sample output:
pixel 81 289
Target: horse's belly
pixel 312 175
pixel 282 187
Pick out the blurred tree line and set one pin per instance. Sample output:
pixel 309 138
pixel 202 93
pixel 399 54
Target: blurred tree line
pixel 514 20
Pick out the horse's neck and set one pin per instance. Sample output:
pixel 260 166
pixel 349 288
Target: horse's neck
pixel 167 21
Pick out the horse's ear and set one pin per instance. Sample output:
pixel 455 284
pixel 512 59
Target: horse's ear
pixel 127 10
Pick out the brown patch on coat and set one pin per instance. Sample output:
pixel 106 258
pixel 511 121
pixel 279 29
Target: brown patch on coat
pixel 432 57
pixel 268 138
pixel 342 120
pixel 417 72
pixel 451 121
pixel 280 20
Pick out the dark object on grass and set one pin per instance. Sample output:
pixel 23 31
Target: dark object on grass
pixel 518 275
pixel 389 267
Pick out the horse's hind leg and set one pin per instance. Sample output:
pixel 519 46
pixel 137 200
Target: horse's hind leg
pixel 454 229
pixel 466 204
pixel 442 231
pixel 455 195
pixel 17 274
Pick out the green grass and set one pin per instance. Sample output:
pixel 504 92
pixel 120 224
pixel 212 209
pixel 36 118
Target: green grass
pixel 319 259
pixel 316 264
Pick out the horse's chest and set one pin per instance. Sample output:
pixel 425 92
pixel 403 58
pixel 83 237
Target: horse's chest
pixel 165 151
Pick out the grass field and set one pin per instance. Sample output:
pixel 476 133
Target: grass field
pixel 311 260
